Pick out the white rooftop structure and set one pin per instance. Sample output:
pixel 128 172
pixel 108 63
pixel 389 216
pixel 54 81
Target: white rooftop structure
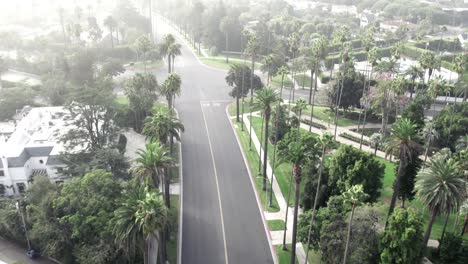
pixel 33 148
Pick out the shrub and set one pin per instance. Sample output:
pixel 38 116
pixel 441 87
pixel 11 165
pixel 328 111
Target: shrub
pixel 450 248
pixel 324 79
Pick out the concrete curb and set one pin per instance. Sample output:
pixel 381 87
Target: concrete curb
pixel 257 196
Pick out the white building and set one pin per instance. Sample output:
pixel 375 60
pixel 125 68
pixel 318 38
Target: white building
pixel 32 149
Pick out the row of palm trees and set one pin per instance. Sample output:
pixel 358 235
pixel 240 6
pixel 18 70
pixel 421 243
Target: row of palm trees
pixel 143 214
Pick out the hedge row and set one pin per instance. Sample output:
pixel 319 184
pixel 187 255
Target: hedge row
pixel 316 125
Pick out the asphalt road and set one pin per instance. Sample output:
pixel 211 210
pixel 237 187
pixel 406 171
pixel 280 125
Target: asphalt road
pixel 221 220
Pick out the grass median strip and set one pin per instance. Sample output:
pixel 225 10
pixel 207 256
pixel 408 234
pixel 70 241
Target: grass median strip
pixel 276 225
pixel 253 159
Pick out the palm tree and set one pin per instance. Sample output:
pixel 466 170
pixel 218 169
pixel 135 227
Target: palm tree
pixel 151 162
pixel 354 196
pixel 171 49
pixel 171 88
pixel 265 99
pixel 441 188
pixel 297 152
pixel 430 134
pixel 375 140
pixel 460 67
pixel 252 49
pixel 164 126
pixel 138 218
pixel 414 72
pixel 283 71
pixel 143 46
pixel 227 25
pixel 319 50
pixel 111 24
pixel 429 62
pixel 326 141
pixel 267 66
pixel 299 106
pixel 403 142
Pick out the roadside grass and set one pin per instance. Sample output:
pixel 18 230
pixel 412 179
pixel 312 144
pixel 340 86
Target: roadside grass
pixel 276 225
pixel 276 81
pixel 253 159
pixel 247 107
pixel 326 115
pixel 220 62
pixel 140 66
pixel 284 257
pixel 174 227
pixel 303 80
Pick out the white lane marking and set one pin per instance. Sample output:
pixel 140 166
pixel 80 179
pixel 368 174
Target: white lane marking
pixel 217 187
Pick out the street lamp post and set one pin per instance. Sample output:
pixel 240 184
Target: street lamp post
pixel 24 224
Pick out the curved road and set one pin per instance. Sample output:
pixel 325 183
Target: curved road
pixel 221 220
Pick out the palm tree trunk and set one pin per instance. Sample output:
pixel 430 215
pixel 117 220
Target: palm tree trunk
pixel 167 195
pixel 465 224
pixel 349 235
pixel 265 151
pixel 145 252
pixel 273 164
pixel 365 111
pixel 297 176
pixel 396 189
pixel 260 143
pixel 169 64
pixel 324 149
pixel 340 92
pixel 251 99
pixel 443 229
pixel 311 84
pixel 287 209
pixel 163 248
pixel 429 228
pixel 237 109
pixel 243 97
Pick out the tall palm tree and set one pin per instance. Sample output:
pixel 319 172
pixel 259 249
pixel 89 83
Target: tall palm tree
pixel 326 141
pixel 252 49
pixel 151 163
pixel 299 107
pixel 429 62
pixel 111 24
pixel 354 196
pixel 402 142
pixel 162 125
pixel 319 50
pixel 283 71
pixel 170 49
pixel 460 67
pixel 375 140
pixel 267 66
pixel 173 51
pixel 265 99
pixel 296 152
pixel 171 88
pixel 414 73
pixel 441 188
pixel 140 216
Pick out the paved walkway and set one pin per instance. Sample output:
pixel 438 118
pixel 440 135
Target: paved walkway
pixel 11 253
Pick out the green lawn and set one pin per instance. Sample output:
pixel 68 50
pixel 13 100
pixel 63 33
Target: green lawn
pixel 174 227
pixel 276 225
pixel 284 257
pixel 232 107
pixel 253 159
pixel 303 80
pixel 122 101
pixel 276 81
pixel 140 66
pixel 326 115
pixel 220 62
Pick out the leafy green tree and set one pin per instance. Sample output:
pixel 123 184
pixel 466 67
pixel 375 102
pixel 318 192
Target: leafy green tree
pixel 350 166
pixel 238 78
pixel 12 99
pixel 139 217
pixel 414 73
pixel 407 191
pixel 86 218
pixel 227 25
pixel 460 65
pixel 354 196
pixel 111 160
pixel 415 112
pixel 450 124
pixel 111 67
pixel 402 241
pixel 111 25
pixel 143 46
pixel 350 87
pixel 441 187
pixel 265 99
pixel 403 142
pixel 141 93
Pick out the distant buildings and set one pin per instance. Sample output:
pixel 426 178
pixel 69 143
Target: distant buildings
pixel 32 149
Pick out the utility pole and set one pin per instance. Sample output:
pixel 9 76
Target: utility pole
pixel 24 224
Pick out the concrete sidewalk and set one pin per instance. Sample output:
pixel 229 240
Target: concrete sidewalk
pixel 11 253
